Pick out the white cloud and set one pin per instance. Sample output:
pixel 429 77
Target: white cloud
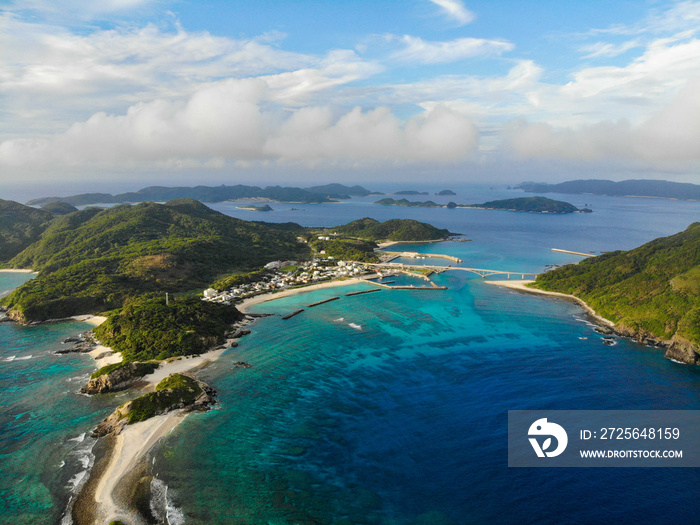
pixel 233 120
pixel 670 135
pixel 417 50
pixel 456 10
pixel 605 49
pixel 51 76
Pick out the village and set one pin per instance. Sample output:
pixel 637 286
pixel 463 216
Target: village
pixel 290 274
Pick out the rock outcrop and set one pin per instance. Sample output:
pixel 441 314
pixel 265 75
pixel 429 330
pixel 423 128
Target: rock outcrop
pixel 682 350
pixel 187 393
pixel 118 378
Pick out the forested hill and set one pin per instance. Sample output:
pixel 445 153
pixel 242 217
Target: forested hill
pixel 651 292
pixel 94 260
pixel 531 205
pixel 20 226
pixel 392 230
pixel 637 188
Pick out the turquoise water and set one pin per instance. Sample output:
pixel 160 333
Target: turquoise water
pixel 388 407
pixel 44 422
pixel 404 420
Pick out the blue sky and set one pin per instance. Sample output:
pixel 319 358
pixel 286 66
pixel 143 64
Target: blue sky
pixel 275 91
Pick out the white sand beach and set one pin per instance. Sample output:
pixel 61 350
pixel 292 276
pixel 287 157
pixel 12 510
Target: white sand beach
pixel 522 287
pixel 131 445
pixel 17 271
pixel 96 320
pixel 247 303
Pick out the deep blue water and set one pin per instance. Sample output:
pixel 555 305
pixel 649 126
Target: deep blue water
pixel 401 418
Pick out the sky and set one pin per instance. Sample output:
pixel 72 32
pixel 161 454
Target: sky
pixel 180 91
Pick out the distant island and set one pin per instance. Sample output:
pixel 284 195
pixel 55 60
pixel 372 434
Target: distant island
pixel 265 207
pixel 522 204
pixel 626 188
pixel 410 192
pixel 446 192
pixel 531 205
pixel 340 191
pixel 317 194
pixel 650 293
pixel 404 202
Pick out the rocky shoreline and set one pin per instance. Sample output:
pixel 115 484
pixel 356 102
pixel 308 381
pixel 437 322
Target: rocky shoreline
pixel 195 396
pixel 677 349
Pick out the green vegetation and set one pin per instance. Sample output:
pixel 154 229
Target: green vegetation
pixel 20 226
pixel 653 288
pixel 95 260
pixel 347 249
pixel 59 208
pixel 392 230
pixel 150 329
pixel 237 279
pixel 529 204
pixel 142 369
pixel 174 390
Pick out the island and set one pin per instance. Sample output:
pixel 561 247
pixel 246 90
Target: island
pixel 522 204
pixel 650 293
pixel 264 207
pixel 410 192
pixel 317 194
pixel 626 188
pixel 404 202
pixel 530 205
pixel 446 192
pixel 340 191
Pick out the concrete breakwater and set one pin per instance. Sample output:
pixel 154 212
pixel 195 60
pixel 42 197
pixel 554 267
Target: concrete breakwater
pixel 296 312
pixel 322 302
pixel 362 292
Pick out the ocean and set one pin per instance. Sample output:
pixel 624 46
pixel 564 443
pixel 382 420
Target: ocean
pixel 389 407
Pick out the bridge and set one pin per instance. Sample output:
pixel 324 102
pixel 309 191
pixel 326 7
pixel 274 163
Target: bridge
pixel 483 273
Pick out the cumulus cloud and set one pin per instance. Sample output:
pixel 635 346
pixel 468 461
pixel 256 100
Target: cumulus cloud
pixel 455 10
pixel 672 134
pixel 237 120
pixel 50 76
pixel 417 50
